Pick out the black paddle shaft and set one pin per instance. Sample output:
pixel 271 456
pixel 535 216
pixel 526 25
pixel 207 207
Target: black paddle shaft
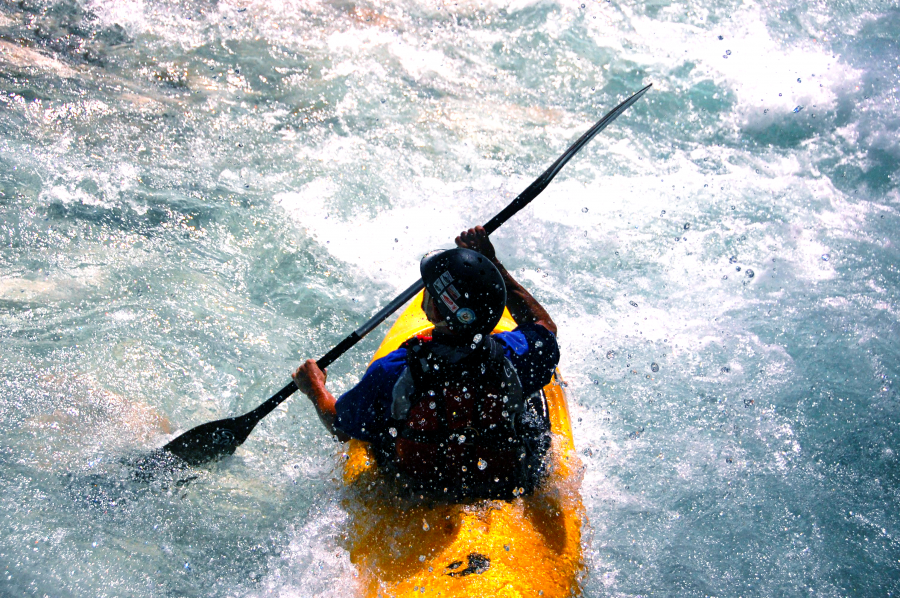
pixel 220 438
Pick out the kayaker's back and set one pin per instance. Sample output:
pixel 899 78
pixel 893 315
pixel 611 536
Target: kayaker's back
pixel 405 545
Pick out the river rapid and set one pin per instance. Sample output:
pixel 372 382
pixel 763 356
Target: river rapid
pixel 194 196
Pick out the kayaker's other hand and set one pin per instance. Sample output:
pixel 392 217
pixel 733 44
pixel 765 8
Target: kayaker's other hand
pixel 309 377
pixel 477 240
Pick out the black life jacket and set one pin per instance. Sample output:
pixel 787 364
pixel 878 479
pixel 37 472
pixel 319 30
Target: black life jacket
pixel 457 422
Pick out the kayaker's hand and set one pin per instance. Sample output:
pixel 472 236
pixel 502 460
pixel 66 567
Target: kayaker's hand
pixel 477 240
pixel 309 377
pixel 521 304
pixel 311 382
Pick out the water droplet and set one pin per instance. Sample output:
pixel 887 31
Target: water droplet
pixel 654 367
pixel 728 52
pixel 538 343
pixel 721 38
pixel 798 80
pixel 505 413
pixel 461 438
pixel 825 257
pixel 725 369
pixel 687 225
pixel 432 405
pixel 610 354
pixel 738 268
pixel 421 559
pixel 633 304
pixel 482 464
pixel 732 259
pixel 392 432
pixel 464 468
pixel 750 273
pixel 798 109
pixel 425 525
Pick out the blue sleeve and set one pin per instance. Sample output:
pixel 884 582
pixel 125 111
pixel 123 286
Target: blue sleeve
pixel 363 411
pixel 534 353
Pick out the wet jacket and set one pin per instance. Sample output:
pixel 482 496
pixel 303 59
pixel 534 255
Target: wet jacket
pixel 457 421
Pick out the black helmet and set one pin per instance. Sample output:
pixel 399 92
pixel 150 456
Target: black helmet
pixel 467 289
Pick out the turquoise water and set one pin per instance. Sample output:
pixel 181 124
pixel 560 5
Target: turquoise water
pixel 196 196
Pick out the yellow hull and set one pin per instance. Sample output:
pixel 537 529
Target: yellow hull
pixel 527 547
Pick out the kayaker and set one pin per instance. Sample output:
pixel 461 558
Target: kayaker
pixel 458 413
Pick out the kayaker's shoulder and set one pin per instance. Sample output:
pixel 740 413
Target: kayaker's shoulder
pixel 393 361
pixel 526 336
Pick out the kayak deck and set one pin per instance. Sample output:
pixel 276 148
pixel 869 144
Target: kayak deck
pixel 530 546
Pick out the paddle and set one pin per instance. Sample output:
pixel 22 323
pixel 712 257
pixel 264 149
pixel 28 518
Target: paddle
pixel 220 438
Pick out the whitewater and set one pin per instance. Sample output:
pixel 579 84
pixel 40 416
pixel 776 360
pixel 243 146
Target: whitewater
pixel 196 196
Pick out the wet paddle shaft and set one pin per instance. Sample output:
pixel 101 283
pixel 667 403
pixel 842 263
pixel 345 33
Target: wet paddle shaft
pixel 217 439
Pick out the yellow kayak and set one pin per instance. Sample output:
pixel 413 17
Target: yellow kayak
pixel 530 546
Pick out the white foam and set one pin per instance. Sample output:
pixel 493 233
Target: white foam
pixel 314 563
pixel 761 71
pixel 388 246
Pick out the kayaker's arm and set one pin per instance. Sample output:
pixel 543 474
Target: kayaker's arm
pixel 310 379
pixel 523 307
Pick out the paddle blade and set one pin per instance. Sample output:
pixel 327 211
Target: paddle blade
pixel 210 441
pixel 535 188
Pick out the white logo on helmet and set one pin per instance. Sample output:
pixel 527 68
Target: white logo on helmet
pixel 465 315
pixel 442 281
